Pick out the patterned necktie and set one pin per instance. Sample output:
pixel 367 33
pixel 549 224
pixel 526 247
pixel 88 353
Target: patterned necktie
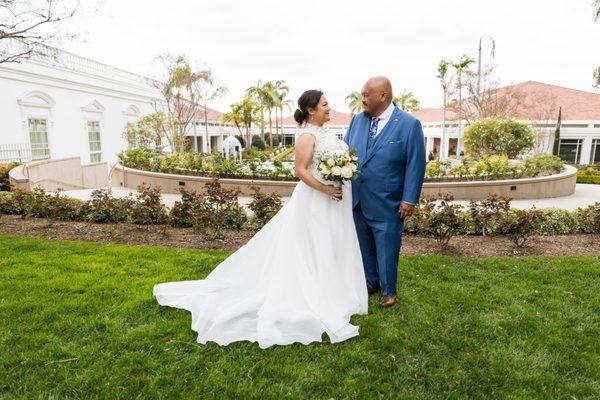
pixel 372 132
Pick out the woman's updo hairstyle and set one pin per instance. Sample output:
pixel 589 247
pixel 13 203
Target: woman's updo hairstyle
pixel 309 99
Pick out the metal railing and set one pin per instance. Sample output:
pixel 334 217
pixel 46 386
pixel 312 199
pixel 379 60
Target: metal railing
pixel 15 153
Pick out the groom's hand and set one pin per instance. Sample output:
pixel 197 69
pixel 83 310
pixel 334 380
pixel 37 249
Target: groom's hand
pixel 406 209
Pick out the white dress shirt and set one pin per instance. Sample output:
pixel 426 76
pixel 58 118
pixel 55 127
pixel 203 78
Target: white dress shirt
pixel 384 118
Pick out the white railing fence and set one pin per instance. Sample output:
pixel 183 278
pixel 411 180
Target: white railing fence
pixel 15 153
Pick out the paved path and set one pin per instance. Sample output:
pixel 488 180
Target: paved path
pixel 584 195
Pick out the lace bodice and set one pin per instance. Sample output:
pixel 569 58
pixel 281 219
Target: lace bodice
pixel 325 142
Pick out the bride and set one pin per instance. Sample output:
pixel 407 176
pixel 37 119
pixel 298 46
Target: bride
pixel 301 275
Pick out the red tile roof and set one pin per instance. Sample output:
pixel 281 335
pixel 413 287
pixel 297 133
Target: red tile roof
pixel 336 119
pixel 536 101
pixel 212 115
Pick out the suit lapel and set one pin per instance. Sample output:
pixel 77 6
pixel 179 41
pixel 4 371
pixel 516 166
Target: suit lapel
pixel 363 137
pixel 382 137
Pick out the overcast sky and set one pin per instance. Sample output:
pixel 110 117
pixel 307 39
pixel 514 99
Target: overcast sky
pixel 337 45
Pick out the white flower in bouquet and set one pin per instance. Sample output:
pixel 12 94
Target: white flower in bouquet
pixel 346 172
pixel 338 166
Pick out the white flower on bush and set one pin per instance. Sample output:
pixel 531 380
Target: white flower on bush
pixel 337 171
pixel 346 172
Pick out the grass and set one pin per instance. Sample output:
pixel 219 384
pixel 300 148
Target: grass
pixel 78 321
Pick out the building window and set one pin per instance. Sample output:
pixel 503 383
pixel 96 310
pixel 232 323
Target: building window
pixel 94 139
pixel 38 137
pixel 595 152
pixel 570 150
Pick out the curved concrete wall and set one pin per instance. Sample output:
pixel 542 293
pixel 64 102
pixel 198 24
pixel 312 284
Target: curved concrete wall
pixel 171 183
pixel 63 173
pixel 557 185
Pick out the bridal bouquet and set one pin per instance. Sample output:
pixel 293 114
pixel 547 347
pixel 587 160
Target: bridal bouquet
pixel 338 166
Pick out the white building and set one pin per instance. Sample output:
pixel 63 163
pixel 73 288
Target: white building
pixel 537 104
pixel 57 104
pixel 533 102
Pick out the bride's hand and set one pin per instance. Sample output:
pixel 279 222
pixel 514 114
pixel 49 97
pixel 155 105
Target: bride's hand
pixel 333 192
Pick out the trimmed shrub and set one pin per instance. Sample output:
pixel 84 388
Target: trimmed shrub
pixel 104 208
pixel 4 181
pixel 218 209
pixel 264 206
pixel 442 221
pixel 543 164
pixel 519 225
pixel 589 218
pixel 7 204
pixel 147 209
pixel 181 214
pixel 498 137
pixel 258 143
pixel 556 221
pixel 485 213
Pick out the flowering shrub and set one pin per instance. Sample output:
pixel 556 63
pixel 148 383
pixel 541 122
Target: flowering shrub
pixel 589 174
pixel 498 137
pixel 493 168
pixel 206 165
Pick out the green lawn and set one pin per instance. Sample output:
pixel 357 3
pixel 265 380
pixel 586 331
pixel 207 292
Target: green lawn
pixel 78 320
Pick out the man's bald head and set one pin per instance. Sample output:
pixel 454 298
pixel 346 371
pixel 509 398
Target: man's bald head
pixel 376 95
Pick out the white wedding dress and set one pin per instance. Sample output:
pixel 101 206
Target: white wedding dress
pixel 299 276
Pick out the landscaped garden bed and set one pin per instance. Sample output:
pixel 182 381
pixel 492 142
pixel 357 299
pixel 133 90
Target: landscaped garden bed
pixel 489 169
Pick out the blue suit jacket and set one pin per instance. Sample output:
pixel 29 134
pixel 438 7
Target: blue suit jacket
pixel 392 170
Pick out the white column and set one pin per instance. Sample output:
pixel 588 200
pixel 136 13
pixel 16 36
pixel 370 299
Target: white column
pixel 586 150
pixel 446 146
pixel 429 145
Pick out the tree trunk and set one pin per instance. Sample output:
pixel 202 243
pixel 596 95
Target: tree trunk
pixel 207 144
pixel 262 123
pixel 443 141
pixel 458 141
pixel 270 129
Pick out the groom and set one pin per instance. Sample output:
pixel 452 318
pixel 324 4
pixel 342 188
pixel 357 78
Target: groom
pixel 391 158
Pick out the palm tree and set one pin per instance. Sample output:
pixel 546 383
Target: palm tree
pixel 407 102
pixel 259 95
pixel 266 96
pixel 460 66
pixel 270 104
pixel 282 90
pixel 597 77
pixel 234 117
pixel 445 81
pixel 354 101
pixel 243 114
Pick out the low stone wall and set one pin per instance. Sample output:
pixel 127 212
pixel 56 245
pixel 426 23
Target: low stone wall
pixel 541 187
pixel 63 173
pixel 557 185
pixel 171 183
